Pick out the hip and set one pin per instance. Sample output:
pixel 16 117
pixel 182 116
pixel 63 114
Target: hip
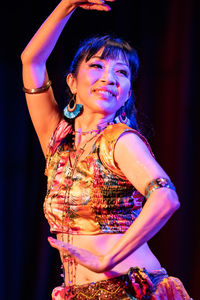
pixel 136 284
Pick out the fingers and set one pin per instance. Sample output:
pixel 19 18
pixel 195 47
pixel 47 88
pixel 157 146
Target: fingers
pixel 57 244
pixel 66 248
pixel 100 7
pixel 96 5
pixel 100 1
pixel 81 256
pixel 96 1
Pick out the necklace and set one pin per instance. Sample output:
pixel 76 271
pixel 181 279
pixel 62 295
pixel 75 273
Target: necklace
pixel 86 132
pixel 70 169
pixel 100 128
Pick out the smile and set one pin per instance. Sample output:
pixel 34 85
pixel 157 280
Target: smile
pixel 105 92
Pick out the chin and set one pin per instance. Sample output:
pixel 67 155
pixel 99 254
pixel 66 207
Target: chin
pixel 107 110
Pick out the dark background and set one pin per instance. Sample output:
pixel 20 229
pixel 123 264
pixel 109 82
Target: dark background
pixel 165 34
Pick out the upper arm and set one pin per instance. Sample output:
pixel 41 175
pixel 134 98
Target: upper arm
pixel 42 107
pixel 136 162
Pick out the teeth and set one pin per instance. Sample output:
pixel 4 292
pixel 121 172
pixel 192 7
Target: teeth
pixel 105 93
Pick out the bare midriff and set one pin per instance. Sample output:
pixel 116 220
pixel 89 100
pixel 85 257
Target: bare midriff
pixel 101 244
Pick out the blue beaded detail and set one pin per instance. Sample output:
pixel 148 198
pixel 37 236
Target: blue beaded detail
pixel 157 184
pixel 74 113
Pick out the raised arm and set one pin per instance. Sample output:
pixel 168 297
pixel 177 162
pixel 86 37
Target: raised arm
pixel 43 107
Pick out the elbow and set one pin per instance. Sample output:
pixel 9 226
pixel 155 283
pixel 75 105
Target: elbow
pixel 34 67
pixel 24 56
pixel 175 205
pixel 25 59
pixel 172 201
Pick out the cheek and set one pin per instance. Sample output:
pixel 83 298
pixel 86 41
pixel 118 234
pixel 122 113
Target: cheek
pixel 125 89
pixel 89 76
pixel 85 82
pixel 92 76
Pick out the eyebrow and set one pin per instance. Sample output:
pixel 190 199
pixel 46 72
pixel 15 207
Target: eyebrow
pixel 118 62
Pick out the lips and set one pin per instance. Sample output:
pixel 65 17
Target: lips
pixel 106 91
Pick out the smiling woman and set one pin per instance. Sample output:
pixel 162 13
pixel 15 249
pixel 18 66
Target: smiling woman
pixel 106 195
pixel 109 59
pixel 102 82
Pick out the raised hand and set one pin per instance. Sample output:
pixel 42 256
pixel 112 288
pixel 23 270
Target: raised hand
pixel 92 4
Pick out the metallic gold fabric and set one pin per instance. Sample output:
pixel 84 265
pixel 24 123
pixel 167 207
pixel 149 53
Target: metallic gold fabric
pixel 101 199
pixel 107 145
pixel 136 284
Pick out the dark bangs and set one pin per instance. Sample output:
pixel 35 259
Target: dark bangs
pixel 113 47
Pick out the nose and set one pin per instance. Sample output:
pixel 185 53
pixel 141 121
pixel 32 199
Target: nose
pixel 109 77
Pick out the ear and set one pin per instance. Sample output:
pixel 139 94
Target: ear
pixel 129 93
pixel 71 81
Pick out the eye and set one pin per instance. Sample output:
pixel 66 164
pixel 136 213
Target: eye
pixel 123 72
pixel 95 65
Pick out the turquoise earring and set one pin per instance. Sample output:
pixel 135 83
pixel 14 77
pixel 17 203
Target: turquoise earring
pixel 122 117
pixel 72 110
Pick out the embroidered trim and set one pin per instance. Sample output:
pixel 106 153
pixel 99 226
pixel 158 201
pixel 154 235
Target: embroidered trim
pixel 157 184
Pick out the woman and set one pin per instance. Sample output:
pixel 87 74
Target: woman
pixel 99 169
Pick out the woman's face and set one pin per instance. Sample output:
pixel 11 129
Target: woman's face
pixel 102 85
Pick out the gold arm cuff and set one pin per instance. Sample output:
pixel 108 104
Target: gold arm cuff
pixel 39 90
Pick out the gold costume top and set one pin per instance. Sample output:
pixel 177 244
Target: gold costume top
pixel 100 199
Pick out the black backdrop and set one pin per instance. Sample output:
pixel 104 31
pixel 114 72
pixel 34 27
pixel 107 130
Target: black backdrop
pixel 165 34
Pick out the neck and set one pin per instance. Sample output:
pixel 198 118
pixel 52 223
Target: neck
pixel 89 123
pixel 85 123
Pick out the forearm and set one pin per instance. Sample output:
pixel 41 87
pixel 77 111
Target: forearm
pixel 155 213
pixel 37 51
pixel 43 42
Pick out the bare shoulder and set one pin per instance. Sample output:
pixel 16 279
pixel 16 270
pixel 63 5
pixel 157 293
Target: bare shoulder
pixel 134 143
pixel 136 161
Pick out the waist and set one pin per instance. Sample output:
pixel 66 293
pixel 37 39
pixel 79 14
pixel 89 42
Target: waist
pixel 156 276
pixel 100 245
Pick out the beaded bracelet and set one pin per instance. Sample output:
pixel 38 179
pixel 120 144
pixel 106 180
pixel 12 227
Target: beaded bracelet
pixel 157 184
pixel 39 90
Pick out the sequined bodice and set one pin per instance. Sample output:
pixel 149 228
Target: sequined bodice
pixel 101 199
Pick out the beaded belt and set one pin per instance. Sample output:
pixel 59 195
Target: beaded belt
pixel 137 284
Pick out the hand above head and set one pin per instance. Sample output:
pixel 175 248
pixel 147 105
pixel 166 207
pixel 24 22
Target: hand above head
pixel 92 4
pixel 83 257
pixel 45 113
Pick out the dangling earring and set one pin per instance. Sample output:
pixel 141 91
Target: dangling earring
pixel 123 117
pixel 72 110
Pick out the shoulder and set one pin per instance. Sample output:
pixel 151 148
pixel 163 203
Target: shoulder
pixel 108 140
pixel 135 159
pixel 115 129
pixel 123 133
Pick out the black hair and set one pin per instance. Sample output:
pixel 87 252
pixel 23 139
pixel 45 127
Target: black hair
pixel 112 47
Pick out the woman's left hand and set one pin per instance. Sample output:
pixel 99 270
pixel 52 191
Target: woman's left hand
pixel 83 257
